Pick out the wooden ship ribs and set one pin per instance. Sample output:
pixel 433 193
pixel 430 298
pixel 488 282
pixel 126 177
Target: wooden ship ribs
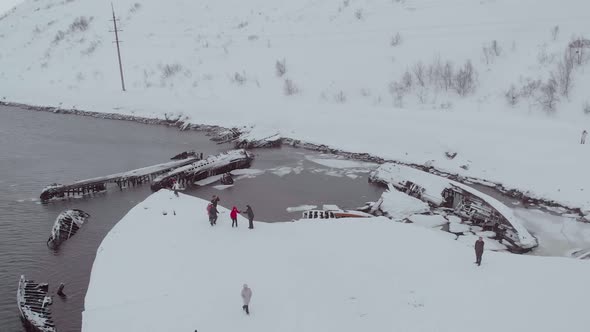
pixel 66 225
pixel 33 305
pixel 122 180
pixel 468 203
pixel 213 165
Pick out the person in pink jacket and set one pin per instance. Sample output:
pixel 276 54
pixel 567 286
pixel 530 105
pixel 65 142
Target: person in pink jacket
pixel 234 216
pixel 246 296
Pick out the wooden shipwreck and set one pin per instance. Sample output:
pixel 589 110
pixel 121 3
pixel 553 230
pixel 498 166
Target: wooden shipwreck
pixel 213 165
pixel 66 225
pixel 122 180
pixel 468 203
pixel 33 305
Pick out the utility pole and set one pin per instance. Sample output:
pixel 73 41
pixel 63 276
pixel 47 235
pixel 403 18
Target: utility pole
pixel 116 31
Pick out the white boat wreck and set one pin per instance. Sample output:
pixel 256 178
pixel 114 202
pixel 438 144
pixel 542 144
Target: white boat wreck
pixel 468 203
pixel 66 225
pixel 333 212
pixel 213 165
pixel 33 305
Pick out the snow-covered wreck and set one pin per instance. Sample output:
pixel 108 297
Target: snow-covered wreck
pixel 66 225
pixel 33 305
pixel 213 165
pixel 329 211
pixel 470 204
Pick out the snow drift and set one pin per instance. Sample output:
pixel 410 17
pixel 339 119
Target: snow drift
pixel 174 272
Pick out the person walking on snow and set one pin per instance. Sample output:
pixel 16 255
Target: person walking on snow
pixel 246 296
pixel 175 187
pixel 212 211
pixel 584 134
pixel 250 215
pixel 234 216
pixel 478 250
pixel 215 200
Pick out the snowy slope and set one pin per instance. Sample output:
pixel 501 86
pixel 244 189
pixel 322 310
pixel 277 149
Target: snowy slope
pixel 215 62
pixel 156 272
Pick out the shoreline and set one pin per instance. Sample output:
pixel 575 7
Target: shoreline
pixel 296 143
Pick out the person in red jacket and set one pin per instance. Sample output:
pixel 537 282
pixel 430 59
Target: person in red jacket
pixel 234 216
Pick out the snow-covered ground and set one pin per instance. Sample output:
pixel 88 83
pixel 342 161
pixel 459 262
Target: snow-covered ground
pixel 174 272
pixel 231 62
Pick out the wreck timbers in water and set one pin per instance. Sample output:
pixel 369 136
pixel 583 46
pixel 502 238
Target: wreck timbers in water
pixel 66 225
pixel 122 180
pixel 213 165
pixel 466 202
pixel 33 305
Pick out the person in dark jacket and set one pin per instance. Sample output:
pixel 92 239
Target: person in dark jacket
pixel 478 250
pixel 215 200
pixel 212 209
pixel 250 215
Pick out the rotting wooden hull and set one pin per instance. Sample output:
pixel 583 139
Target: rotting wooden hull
pixel 66 225
pixel 33 302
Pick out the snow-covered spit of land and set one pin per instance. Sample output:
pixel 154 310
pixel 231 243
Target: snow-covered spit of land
pixel 329 72
pixel 164 268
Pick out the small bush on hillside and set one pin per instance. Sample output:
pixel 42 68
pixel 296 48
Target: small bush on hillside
pixel 465 79
pixel 239 79
pixel 170 70
pixel 359 14
pixel 512 95
pixel 91 48
pixel 555 32
pixel 136 6
pixel 290 88
pixel 281 67
pixel 586 108
pixel 80 24
pixel 340 97
pixel 396 40
pixel 548 96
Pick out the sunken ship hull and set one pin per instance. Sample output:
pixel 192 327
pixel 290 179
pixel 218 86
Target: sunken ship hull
pixel 33 305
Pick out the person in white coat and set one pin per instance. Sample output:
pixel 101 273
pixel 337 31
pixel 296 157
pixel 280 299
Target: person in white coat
pixel 176 187
pixel 246 296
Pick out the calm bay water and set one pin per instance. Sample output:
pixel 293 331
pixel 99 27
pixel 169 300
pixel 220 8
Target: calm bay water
pixel 39 148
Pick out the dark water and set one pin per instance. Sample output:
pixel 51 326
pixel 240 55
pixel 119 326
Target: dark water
pixel 38 148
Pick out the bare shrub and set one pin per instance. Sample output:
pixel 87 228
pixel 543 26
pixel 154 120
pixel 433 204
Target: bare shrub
pixel 530 87
pixel 398 91
pixel 396 40
pixel 563 73
pixel 555 32
pixel 407 80
pixel 135 7
pixel 495 48
pixel 281 67
pixel 289 88
pixel 240 79
pixel 512 95
pixel 548 97
pixel 242 25
pixel 340 97
pixel 465 79
pixel 80 24
pixel 170 70
pixel 59 36
pixel 578 46
pixel 359 14
pixel 420 73
pixel 586 108
pixel 91 48
pixel 447 76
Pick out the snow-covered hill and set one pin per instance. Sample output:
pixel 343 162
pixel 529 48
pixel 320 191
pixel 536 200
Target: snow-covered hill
pixel 333 72
pixel 174 272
